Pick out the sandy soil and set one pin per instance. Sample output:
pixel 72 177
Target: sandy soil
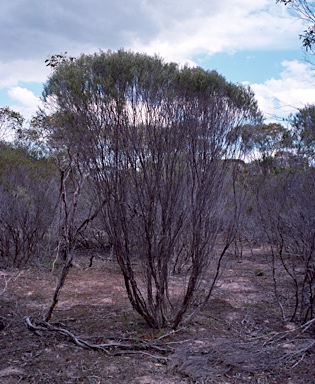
pixel 240 337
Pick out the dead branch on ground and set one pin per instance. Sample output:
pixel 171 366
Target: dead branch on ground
pixel 295 342
pixel 112 347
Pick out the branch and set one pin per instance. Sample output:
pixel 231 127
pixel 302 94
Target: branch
pixel 136 347
pixel 6 281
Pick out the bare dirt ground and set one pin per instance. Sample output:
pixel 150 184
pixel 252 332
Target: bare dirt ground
pixel 240 337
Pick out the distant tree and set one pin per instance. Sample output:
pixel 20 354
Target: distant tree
pixel 280 207
pixel 265 140
pixel 152 139
pixel 27 194
pixel 303 126
pixel 285 204
pixel 10 121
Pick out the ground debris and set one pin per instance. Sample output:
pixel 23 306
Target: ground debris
pixel 239 337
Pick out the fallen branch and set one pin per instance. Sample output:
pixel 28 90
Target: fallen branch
pixel 300 345
pixel 276 337
pixel 112 348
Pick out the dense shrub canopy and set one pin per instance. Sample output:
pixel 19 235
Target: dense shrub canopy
pixel 152 138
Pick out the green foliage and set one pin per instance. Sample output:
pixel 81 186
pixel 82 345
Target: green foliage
pixel 151 137
pixel 157 144
pixel 303 124
pixel 266 139
pixel 9 122
pixel 19 159
pixel 54 60
pixel 28 196
pixel 120 84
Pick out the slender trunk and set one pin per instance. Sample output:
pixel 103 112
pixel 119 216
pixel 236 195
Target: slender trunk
pixel 62 279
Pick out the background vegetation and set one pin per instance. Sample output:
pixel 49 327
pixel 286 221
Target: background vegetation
pixel 166 167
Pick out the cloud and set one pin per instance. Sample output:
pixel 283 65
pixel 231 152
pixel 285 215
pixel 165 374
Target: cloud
pixel 26 70
pixel 294 89
pixel 208 27
pixel 24 96
pixel 32 28
pixel 27 101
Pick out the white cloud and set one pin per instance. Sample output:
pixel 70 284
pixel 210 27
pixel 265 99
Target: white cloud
pixel 176 31
pixel 27 101
pixel 30 70
pixel 208 27
pixel 24 96
pixel 294 89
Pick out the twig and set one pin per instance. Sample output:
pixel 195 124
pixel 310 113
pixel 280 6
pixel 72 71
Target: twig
pixel 298 362
pixel 301 346
pixel 307 325
pixel 171 333
pixel 6 281
pixel 281 335
pixel 140 353
pixel 16 277
pixel 57 249
pixel 5 284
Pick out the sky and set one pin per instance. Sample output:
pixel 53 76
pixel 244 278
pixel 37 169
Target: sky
pixel 250 42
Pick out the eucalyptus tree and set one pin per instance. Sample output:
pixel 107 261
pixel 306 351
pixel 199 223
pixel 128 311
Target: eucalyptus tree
pixel 265 141
pixel 303 133
pixel 10 121
pixel 154 140
pixel 304 10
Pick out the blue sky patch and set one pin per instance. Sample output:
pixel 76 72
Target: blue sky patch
pixel 251 66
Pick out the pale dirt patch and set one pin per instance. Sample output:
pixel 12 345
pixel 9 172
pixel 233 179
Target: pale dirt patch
pixel 232 340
